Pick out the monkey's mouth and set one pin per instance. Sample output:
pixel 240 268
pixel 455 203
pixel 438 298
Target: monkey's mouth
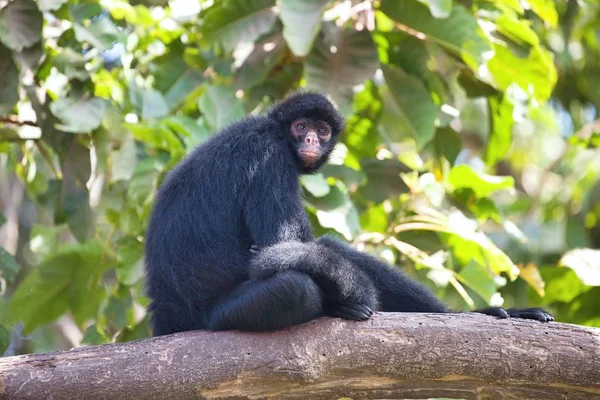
pixel 309 156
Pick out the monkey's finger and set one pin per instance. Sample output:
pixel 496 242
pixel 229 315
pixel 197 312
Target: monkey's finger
pixel 356 312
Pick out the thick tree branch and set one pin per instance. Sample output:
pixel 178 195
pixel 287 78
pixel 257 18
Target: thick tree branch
pixel 390 356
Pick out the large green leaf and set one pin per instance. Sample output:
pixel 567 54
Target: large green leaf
pixel 341 59
pixel 501 116
pixel 463 176
pixel 585 263
pixel 459 33
pixel 59 282
pixel 79 114
pixel 301 22
pixel 260 62
pixel 20 24
pixel 438 8
pixel 413 104
pixel 336 211
pixel 220 106
pixel 535 74
pixel 478 278
pixel 101 33
pixel 545 9
pixel 9 81
pixel 234 21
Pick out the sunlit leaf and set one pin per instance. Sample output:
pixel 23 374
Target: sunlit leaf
pixel 459 33
pixel 585 263
pixel 413 103
pixel 463 176
pixel 305 14
pixel 545 9
pixel 501 122
pixel 316 184
pixel 438 8
pixel 535 74
pixel 530 274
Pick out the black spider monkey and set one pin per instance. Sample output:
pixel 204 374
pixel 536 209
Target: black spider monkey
pixel 229 245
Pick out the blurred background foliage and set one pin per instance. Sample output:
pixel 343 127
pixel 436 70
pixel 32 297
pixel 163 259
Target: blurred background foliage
pixel 470 157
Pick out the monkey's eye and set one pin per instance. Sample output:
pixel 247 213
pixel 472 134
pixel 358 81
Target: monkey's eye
pixel 322 130
pixel 301 127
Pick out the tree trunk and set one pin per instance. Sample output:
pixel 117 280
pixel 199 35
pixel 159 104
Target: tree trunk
pixel 392 355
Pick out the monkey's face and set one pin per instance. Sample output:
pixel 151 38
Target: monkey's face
pixel 312 140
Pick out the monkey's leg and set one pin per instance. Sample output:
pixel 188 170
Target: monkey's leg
pixel 284 299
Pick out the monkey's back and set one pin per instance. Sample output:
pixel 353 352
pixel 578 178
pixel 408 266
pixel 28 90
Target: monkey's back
pixel 197 241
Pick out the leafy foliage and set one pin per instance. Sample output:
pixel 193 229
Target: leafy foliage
pixel 470 156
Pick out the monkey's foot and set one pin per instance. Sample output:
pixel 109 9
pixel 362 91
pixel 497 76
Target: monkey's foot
pixel 537 314
pixel 351 311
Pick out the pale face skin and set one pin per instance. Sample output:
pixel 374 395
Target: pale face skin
pixel 311 136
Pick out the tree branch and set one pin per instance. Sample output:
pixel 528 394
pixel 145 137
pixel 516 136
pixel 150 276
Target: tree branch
pixel 390 356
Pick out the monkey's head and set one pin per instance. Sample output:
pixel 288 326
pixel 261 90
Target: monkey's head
pixel 312 126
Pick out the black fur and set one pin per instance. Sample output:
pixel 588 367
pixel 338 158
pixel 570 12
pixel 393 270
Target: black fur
pixel 229 245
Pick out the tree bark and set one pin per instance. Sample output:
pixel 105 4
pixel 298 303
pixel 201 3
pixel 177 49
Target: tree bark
pixel 392 355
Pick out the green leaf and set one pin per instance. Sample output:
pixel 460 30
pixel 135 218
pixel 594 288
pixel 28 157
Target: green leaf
pixel 175 79
pixel 74 202
pixel 50 5
pixel 194 132
pixel 154 105
pixel 438 8
pixel 535 74
pixel 261 61
pixel 500 140
pixel 459 33
pixel 8 266
pixel 124 160
pixel 58 282
pixel 79 114
pixel 545 10
pixel 518 30
pixel 463 176
pixel 9 82
pixel 585 263
pixel 337 211
pixel 101 33
pixel 2 219
pixel 130 259
pixel 316 184
pixel 478 278
pixel 361 134
pixel 231 22
pixel 447 143
pixel 413 104
pixel 20 24
pixel 219 106
pixel 341 59
pixel 158 136
pixel 304 14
